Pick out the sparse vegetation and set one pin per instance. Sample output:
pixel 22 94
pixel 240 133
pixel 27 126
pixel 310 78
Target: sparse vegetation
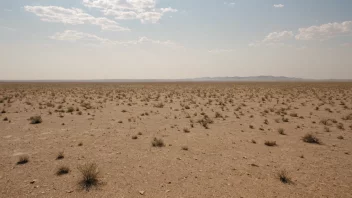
pixel 205 121
pixel 194 124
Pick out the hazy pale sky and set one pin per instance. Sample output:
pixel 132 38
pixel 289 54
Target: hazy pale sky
pixel 144 39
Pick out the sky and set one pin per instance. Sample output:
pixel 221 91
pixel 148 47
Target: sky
pixel 173 39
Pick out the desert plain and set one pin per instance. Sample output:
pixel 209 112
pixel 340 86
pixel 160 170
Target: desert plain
pixel 181 139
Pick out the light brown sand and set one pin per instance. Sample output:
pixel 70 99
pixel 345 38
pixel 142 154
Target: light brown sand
pixel 221 161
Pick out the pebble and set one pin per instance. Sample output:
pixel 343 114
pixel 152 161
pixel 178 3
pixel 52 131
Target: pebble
pixel 141 192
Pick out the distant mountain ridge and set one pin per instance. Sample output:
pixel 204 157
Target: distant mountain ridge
pixel 250 78
pixel 202 79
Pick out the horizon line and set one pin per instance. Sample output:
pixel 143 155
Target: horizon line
pixel 197 79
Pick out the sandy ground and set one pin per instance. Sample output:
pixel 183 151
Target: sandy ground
pixel 225 158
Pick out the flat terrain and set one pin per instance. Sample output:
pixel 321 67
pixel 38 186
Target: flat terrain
pixel 220 139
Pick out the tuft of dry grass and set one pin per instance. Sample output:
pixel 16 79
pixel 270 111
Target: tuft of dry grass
pixel 284 177
pixel 293 114
pixel 284 119
pixel 70 110
pixel 218 115
pixel 340 126
pixel 310 138
pixel 185 148
pixel 159 105
pixel 62 170
pixel 281 131
pixel 60 155
pixel 325 122
pixel 327 129
pixel 23 159
pixel 266 121
pixel 36 119
pixel 90 176
pixel 186 130
pixel 270 143
pixel 158 142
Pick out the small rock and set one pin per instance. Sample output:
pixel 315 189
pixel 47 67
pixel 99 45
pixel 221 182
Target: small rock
pixel 33 181
pixel 141 192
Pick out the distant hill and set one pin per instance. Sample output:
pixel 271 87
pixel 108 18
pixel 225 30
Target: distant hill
pixel 203 79
pixel 250 78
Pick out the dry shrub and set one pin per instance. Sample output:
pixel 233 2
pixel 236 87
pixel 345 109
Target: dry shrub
pixel 347 117
pixel 62 170
pixel 158 142
pixel 284 119
pixel 284 177
pixel 218 115
pixel 90 176
pixel 270 143
pixel 70 110
pixel 310 138
pixel 325 122
pixel 60 155
pixel 293 114
pixel 36 119
pixel 23 159
pixel 185 148
pixel 159 105
pixel 340 126
pixel 281 131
